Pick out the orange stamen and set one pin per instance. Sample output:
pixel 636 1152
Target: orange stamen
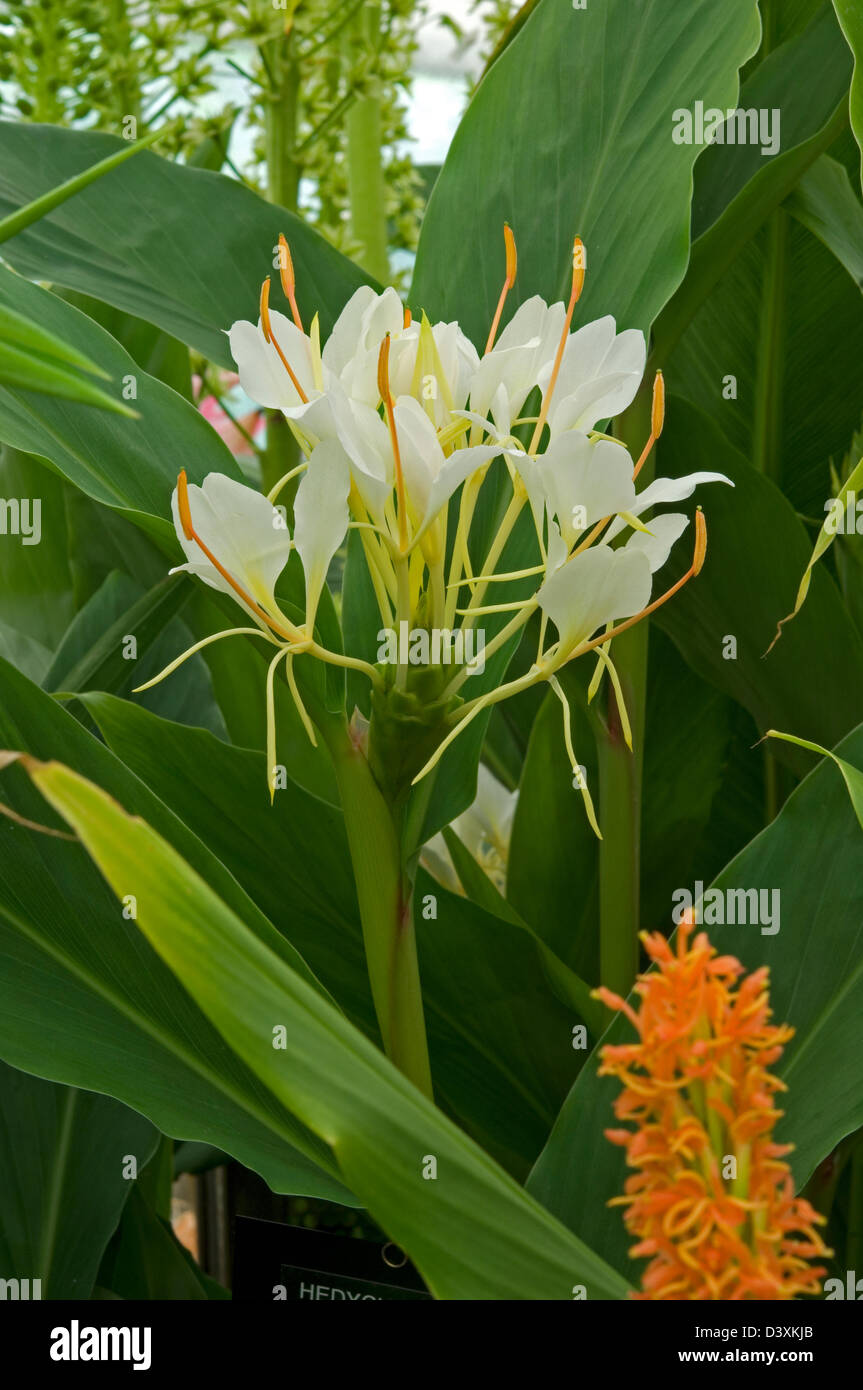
pixel 191 535
pixel 511 268
pixel 408 317
pixel 270 337
pixel 183 506
pixel 579 263
pixel 657 419
pixel 657 412
pixel 289 282
pixel 386 397
pixel 699 552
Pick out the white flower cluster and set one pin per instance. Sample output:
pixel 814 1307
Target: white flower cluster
pixel 394 416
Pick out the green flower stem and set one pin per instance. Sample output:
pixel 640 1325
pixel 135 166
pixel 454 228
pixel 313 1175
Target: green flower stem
pixel 384 893
pixel 283 186
pixel 620 771
pixel 281 102
pixel 364 161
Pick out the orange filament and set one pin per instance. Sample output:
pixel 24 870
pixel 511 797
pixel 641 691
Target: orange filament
pixel 191 535
pixel 270 337
pixel 386 397
pixel 699 552
pixel 657 419
pixel 289 283
pixel 511 267
pixel 579 261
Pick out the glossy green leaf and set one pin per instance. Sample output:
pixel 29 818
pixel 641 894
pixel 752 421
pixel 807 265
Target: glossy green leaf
pixel 83 1001
pixel 131 465
pixel 64 1156
pixel 473 1233
pixel 737 188
pixel 850 13
pixel 36 598
pixel 757 550
pixel 142 239
pixel 593 158
pixel 499 1027
pixel 825 202
pixel 146 1261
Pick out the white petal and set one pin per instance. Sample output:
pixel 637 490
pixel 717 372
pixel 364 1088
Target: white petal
pixel 664 531
pixel 262 374
pixel 342 342
pixel 321 516
pixel 245 533
pixel 595 354
pixel 593 477
pixel 593 589
pixel 507 374
pixel 667 490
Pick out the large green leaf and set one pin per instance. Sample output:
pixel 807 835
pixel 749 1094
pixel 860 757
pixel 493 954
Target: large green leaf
pixel 64 1157
pixel 499 1033
pixel 471 1231
pixel 737 188
pixel 36 600
pixel 83 1001
pixel 182 248
pixel 131 465
pixel 825 202
pixel 786 322
pixel 850 14
pixel 569 133
pixel 145 1260
pixel 757 550
pixel 812 856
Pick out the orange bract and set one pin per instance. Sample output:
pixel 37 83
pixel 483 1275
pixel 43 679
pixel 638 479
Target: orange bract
pixel 698 1090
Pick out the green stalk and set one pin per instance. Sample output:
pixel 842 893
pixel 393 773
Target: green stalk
pixel 280 451
pixel 384 892
pixel 620 771
pixel 364 161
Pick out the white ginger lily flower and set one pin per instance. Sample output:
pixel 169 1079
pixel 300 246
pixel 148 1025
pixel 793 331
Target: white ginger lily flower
pixel 666 490
pixel 599 374
pixel 594 588
pixel 509 372
pixel 433 362
pixel 430 477
pixel 577 480
pixel 394 418
pixel 485 829
pixel 237 542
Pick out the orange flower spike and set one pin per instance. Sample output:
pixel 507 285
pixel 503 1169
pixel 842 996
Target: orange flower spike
pixel 707 1232
pixel 511 268
pixel 289 281
pixel 270 337
pixel 389 407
